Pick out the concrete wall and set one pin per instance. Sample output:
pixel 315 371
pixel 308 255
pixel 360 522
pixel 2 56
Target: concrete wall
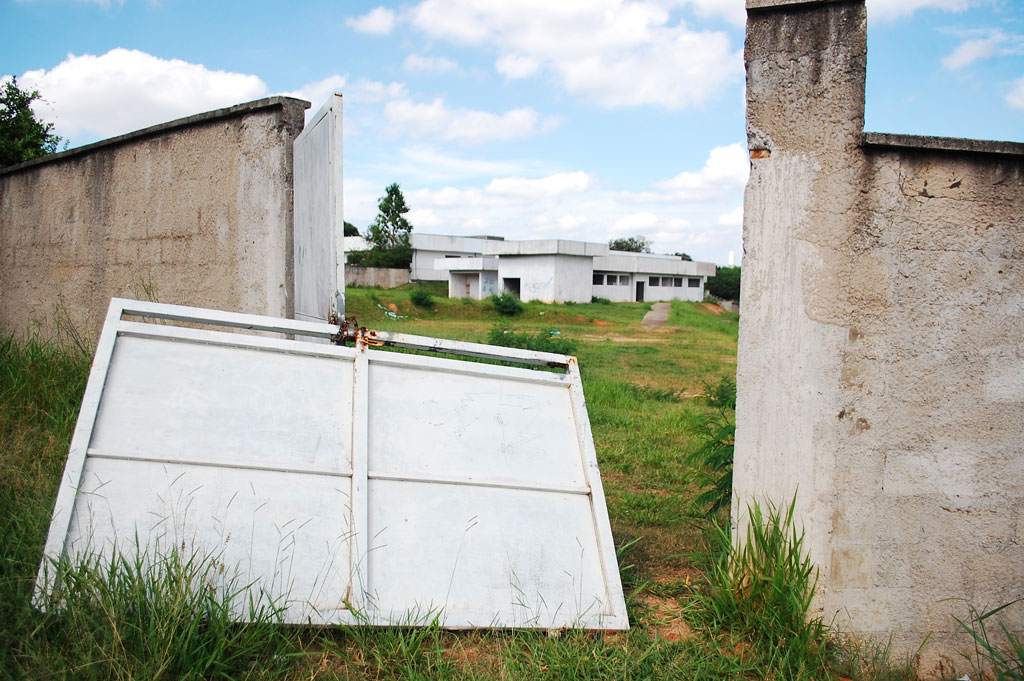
pixel 549 278
pixel 881 370
pixel 196 211
pixel 377 277
pixel 574 276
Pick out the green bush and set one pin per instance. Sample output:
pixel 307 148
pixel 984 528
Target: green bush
pixel 507 304
pixel 725 284
pixel 422 297
pixel 542 341
pixel 399 257
pixel 600 301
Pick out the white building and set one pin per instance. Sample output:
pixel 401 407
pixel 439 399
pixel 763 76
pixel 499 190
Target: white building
pixel 550 270
pixel 555 270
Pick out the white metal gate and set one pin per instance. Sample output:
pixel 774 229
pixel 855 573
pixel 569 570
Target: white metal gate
pixel 319 258
pixel 344 480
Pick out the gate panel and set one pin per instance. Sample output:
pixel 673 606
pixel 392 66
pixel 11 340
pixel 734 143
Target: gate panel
pixel 319 258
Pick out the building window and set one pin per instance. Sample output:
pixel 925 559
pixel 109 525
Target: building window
pixel 694 282
pixel 654 281
pixel 623 280
pixel 599 279
pixel 678 281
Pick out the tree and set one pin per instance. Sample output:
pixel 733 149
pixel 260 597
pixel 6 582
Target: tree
pixel 390 229
pixel 350 229
pixel 725 284
pixel 683 256
pixel 22 136
pixel 633 244
pixel 388 234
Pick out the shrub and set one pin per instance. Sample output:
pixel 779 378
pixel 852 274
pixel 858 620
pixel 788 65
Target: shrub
pixel 542 341
pixel 600 301
pixel 399 257
pixel 507 304
pixel 725 284
pixel 421 297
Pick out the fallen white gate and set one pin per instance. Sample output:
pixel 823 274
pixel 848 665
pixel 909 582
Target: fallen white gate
pixel 352 484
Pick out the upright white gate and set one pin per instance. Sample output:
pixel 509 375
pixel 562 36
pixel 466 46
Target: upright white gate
pixel 351 484
pixel 319 244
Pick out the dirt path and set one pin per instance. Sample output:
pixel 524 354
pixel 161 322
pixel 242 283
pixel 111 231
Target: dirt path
pixel 657 316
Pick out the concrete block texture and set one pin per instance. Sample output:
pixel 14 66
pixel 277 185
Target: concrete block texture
pixel 196 211
pixel 881 369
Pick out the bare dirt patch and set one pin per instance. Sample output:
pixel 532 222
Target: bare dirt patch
pixel 603 322
pixel 713 308
pixel 665 616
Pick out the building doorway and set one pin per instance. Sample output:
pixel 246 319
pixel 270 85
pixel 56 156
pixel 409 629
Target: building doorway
pixel 511 285
pixel 639 291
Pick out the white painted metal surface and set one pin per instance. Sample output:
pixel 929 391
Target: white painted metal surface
pixel 344 480
pixel 318 233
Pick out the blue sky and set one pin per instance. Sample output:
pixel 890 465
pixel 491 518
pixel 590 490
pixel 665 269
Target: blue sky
pixel 584 119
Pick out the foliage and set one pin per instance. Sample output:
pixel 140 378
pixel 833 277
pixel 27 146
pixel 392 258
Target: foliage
pixel 390 229
pixel 507 304
pixel 1005 659
pixel 715 434
pixel 763 589
pixel 683 256
pixel 633 244
pixel 542 341
pixel 350 229
pixel 725 284
pixel 22 136
pixel 399 257
pixel 422 297
pixel 600 301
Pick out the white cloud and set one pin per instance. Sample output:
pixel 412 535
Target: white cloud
pixel 733 218
pixel 418 62
pixel 317 92
pixel 552 185
pixel 378 21
pixel 725 170
pixel 983 45
pixel 516 66
pixel 637 222
pixel 463 125
pixel 431 165
pixel 615 52
pixel 93 97
pixel 895 9
pixel 1015 97
pixel 733 11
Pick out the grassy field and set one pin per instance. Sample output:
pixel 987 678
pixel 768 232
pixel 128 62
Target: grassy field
pixel 691 617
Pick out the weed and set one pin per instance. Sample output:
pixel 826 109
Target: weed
pixel 712 459
pixel 421 297
pixel 1005 659
pixel 507 304
pixel 164 616
pixel 542 341
pixel 763 589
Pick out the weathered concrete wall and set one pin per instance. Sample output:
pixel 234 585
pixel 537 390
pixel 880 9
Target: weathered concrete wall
pixel 377 277
pixel 196 211
pixel 881 369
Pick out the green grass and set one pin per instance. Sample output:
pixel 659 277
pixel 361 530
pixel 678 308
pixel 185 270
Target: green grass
pixel 643 391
